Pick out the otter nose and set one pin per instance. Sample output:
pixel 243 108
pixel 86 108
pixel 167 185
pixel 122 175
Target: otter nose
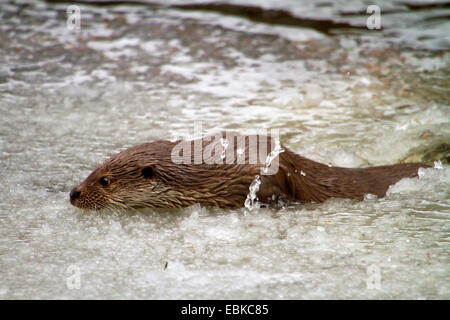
pixel 74 194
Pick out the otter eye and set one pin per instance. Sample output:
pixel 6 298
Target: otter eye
pixel 104 181
pixel 147 172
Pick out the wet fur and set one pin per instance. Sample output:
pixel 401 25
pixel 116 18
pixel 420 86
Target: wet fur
pixel 226 185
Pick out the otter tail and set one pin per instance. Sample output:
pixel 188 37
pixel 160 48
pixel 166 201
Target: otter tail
pixel 312 181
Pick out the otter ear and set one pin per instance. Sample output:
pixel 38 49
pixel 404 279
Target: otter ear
pixel 148 172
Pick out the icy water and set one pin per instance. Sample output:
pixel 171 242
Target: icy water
pixel 348 97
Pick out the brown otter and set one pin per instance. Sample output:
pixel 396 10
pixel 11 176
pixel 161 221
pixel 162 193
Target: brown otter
pixel 162 174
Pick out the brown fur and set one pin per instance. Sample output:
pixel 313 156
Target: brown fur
pixel 225 185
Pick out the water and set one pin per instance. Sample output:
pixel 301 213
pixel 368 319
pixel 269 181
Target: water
pixel 68 100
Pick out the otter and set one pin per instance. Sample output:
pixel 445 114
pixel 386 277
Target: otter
pixel 166 174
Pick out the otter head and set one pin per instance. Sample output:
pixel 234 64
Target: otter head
pixel 127 180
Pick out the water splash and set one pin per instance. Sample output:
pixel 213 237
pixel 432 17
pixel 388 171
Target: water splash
pixel 438 165
pixel 252 199
pixel 271 156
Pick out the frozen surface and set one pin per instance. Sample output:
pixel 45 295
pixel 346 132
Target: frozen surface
pixel 68 100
